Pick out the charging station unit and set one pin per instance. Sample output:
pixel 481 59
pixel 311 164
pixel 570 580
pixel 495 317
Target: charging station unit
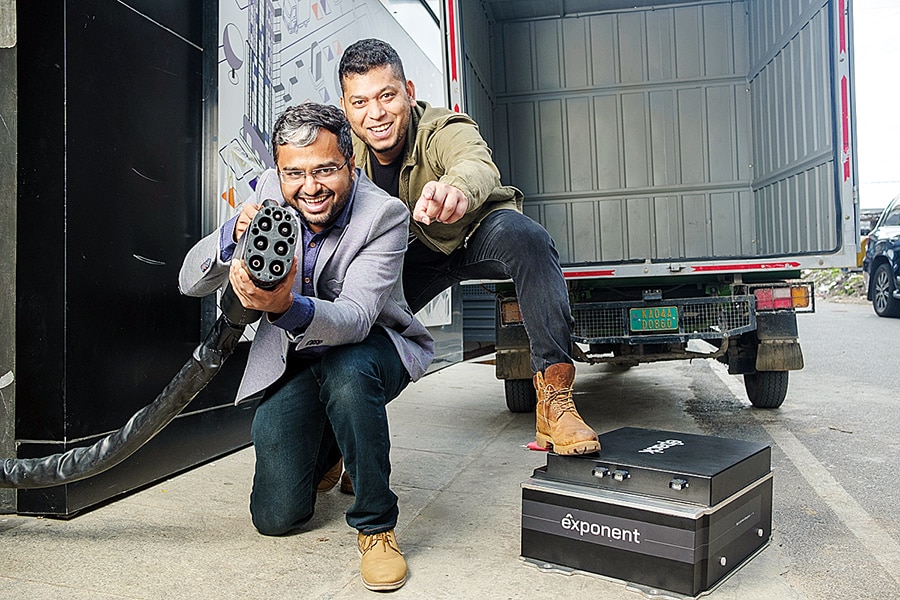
pixel 659 510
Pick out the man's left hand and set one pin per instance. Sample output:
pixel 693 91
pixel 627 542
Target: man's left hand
pixel 440 202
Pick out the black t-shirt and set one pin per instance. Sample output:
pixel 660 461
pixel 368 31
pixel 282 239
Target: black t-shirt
pixel 387 177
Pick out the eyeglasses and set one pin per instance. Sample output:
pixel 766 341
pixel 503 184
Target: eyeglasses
pixel 319 175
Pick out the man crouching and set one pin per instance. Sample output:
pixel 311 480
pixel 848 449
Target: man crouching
pixel 337 340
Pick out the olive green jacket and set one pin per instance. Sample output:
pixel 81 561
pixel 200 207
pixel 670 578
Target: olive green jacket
pixel 445 146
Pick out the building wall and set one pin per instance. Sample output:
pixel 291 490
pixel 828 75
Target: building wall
pixel 8 92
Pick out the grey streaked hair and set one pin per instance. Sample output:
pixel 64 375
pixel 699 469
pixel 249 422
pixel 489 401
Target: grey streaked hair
pixel 300 125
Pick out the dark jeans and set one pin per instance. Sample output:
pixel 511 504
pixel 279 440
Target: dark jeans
pixel 506 245
pixel 318 411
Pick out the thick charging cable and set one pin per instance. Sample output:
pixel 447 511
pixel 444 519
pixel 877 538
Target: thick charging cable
pixel 267 248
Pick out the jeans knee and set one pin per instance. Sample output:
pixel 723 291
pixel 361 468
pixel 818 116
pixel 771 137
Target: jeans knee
pixel 268 527
pixel 349 373
pixel 271 522
pixel 521 235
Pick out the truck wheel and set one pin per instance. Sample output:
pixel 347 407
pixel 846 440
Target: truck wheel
pixel 883 300
pixel 520 395
pixel 766 389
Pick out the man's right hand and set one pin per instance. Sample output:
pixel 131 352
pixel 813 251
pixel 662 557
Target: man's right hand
pixel 276 300
pixel 440 203
pixel 248 211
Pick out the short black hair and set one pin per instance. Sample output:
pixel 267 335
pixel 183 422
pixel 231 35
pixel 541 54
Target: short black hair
pixel 362 56
pixel 300 125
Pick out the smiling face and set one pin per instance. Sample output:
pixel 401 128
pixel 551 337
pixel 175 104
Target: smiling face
pixel 378 105
pixel 320 202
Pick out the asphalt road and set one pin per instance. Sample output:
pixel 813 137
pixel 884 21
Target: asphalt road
pixel 840 518
pixel 835 452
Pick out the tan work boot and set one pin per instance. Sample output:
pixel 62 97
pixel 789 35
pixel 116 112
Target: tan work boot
pixel 383 566
pixel 331 477
pixel 559 426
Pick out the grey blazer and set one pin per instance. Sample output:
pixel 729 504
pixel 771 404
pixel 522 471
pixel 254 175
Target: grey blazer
pixel 357 283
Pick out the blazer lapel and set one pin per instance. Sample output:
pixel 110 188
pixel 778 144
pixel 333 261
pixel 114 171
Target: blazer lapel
pixel 326 252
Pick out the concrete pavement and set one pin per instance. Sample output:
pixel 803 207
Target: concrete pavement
pixel 459 458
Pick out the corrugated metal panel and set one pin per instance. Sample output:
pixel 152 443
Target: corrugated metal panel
pixel 506 10
pixel 793 130
pixel 478 69
pixel 478 302
pixel 640 152
pixel 690 131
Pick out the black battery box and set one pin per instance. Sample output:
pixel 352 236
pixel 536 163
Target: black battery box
pixel 657 509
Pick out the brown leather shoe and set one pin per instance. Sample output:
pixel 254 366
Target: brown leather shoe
pixel 383 567
pixel 559 426
pixel 331 477
pixel 346 484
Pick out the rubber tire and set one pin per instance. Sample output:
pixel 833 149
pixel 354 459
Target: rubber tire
pixel 766 389
pixel 521 396
pixel 883 300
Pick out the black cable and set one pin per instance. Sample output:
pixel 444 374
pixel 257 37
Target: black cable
pixel 81 463
pixel 267 249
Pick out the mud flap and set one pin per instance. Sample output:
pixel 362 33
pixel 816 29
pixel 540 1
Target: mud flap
pixel 514 364
pixel 512 345
pixel 779 349
pixel 779 355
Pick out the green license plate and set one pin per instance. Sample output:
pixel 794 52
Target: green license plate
pixel 658 318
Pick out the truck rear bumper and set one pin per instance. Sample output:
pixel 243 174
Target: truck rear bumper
pixel 697 318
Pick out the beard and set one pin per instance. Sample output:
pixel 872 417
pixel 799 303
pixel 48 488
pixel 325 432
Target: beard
pixel 321 218
pixel 387 146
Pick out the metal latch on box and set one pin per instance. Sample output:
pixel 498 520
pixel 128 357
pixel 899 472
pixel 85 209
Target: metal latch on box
pixel 619 474
pixel 679 484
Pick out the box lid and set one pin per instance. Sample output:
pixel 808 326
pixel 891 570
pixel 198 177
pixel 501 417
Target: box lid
pixel 680 466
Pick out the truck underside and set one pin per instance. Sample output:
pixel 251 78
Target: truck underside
pixel 688 159
pixel 751 327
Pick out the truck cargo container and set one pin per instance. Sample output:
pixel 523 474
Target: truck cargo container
pixel 690 159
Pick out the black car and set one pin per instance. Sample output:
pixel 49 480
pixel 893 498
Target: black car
pixel 881 266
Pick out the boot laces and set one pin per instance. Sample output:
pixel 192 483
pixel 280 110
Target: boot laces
pixel 385 537
pixel 560 399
